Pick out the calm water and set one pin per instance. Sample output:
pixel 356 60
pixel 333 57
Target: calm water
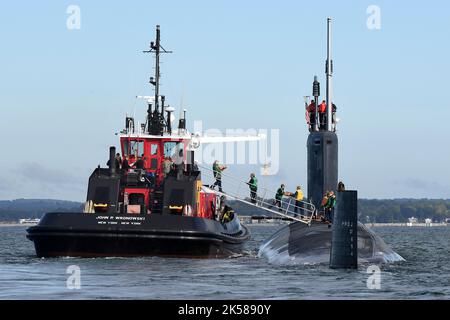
pixel 425 274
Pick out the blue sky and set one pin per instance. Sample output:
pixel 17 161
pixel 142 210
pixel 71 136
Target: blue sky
pixel 240 65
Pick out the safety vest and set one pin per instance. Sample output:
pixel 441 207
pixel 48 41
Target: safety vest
pixel 331 202
pixel 217 170
pixel 280 194
pixel 228 215
pixel 253 183
pixel 322 108
pixel 299 195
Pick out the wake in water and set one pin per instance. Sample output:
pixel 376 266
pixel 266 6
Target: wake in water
pixel 298 244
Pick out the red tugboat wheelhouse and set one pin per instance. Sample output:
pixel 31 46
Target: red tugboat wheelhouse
pixel 152 204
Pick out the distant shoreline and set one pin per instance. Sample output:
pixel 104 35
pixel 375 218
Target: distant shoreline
pixel 16 224
pixel 430 225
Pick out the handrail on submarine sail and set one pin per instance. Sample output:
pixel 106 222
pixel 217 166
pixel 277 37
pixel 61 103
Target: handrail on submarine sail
pixel 263 203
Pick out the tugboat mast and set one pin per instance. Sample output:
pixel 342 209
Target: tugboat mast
pixel 157 47
pixel 158 116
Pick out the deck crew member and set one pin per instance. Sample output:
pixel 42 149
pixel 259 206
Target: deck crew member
pixel 324 202
pixel 140 164
pixel 329 210
pixel 125 165
pixel 167 166
pixel 333 118
pixel 298 196
pixel 116 163
pixel 322 114
pixel 341 186
pixel 279 197
pixel 311 113
pixel 227 214
pixel 253 185
pixel 217 171
pixel 119 160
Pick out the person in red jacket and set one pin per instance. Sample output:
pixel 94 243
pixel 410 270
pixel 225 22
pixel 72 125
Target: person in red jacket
pixel 322 114
pixel 311 110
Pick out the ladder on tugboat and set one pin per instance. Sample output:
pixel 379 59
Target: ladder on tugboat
pixel 289 209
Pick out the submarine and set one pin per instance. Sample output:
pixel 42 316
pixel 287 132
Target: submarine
pixel 342 242
pixel 151 202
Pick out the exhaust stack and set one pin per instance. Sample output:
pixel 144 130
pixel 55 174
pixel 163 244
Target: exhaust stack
pixel 112 161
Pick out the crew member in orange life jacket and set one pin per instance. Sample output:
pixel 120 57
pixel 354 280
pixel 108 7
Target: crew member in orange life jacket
pixel 322 114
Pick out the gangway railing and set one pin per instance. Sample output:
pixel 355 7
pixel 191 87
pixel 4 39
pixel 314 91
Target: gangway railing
pixel 239 190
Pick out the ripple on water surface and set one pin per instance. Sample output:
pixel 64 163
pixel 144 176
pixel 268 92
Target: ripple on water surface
pixel 424 275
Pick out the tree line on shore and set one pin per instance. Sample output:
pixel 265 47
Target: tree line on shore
pixel 378 211
pixel 384 211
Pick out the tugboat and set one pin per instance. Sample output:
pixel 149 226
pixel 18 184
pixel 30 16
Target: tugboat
pixel 150 201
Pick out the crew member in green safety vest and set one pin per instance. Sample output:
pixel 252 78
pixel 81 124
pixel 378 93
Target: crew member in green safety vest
pixel 217 171
pixel 253 185
pixel 329 207
pixel 298 196
pixel 278 197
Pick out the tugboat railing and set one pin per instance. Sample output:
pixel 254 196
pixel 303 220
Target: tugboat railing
pixel 303 213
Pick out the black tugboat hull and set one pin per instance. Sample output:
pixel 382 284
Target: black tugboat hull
pixel 93 235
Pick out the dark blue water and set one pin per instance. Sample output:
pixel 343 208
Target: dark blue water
pixel 425 274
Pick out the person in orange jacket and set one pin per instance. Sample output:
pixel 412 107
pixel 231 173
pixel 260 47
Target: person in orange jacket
pixel 322 114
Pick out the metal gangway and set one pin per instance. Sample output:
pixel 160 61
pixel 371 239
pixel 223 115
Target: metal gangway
pixel 239 190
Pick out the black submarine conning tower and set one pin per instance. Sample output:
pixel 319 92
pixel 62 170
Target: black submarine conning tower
pixel 156 123
pixel 322 141
pixel 323 176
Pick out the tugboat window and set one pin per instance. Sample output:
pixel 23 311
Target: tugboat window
pixel 137 148
pixel 154 149
pixel 126 148
pixel 172 149
pixel 153 164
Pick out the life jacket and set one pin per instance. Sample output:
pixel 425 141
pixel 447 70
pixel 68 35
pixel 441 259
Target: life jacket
pixel 280 194
pixel 324 201
pixel 228 214
pixel 323 107
pixel 299 195
pixel 253 183
pixel 217 170
pixel 312 107
pixel 331 202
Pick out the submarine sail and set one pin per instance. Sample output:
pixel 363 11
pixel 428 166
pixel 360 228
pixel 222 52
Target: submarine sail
pixel 315 243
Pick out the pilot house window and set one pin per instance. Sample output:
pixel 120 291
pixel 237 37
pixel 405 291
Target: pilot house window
pixel 174 150
pixel 154 150
pixel 137 148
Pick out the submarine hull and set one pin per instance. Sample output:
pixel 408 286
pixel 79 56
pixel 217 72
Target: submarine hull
pixel 298 243
pixel 94 235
